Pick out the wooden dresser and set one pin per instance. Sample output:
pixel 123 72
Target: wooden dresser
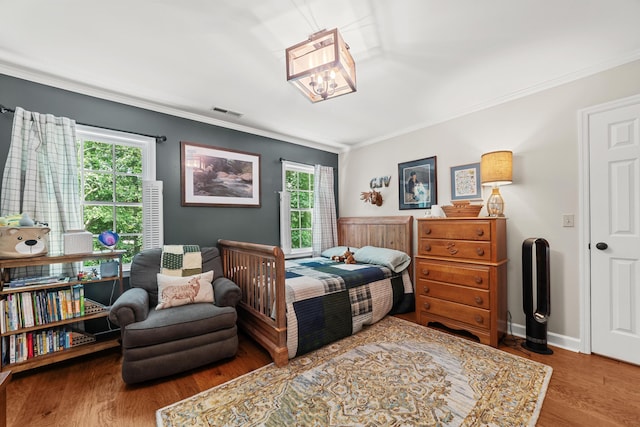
pixel 461 275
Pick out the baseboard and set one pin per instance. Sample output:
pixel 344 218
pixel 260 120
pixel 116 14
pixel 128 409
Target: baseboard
pixel 553 339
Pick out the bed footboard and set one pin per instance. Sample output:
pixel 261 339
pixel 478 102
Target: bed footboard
pixel 259 272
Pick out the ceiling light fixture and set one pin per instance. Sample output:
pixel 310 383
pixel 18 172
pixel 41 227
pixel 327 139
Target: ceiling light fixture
pixel 322 66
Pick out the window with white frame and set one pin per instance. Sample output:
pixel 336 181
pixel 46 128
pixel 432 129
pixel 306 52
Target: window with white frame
pixel 116 170
pixel 296 210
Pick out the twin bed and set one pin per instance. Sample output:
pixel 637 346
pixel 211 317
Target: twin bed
pixel 291 307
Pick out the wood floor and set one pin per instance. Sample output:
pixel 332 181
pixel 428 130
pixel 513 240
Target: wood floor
pixel 585 390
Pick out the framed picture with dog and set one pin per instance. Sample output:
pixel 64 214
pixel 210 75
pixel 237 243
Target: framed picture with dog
pixel 417 182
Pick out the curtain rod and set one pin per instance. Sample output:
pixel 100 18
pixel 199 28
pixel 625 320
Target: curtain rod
pixel 282 159
pixel 159 139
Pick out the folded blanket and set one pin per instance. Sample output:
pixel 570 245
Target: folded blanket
pixel 181 260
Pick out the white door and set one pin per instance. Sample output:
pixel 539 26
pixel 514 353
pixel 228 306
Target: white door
pixel 614 183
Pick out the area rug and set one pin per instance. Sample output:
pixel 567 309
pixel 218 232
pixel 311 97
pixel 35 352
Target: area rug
pixel 393 373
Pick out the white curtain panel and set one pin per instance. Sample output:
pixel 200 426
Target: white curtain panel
pixel 285 222
pixel 41 174
pixel 325 227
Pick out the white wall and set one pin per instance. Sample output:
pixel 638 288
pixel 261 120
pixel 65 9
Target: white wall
pixel 542 131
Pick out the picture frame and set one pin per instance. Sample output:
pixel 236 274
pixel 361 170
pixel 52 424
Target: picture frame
pixel 417 184
pixel 465 182
pixel 216 176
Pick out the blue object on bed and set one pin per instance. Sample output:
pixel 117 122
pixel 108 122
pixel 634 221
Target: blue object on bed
pixel 397 261
pixel 328 300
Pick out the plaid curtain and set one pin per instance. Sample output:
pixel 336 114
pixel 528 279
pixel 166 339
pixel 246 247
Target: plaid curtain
pixel 41 174
pixel 325 227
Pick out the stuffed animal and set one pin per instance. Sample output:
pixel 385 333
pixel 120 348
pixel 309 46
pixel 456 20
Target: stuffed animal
pixel 347 257
pixel 22 242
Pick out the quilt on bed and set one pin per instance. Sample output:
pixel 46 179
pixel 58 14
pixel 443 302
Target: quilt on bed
pixel 327 300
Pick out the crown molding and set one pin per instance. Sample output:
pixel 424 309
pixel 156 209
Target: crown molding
pixel 96 92
pixel 521 93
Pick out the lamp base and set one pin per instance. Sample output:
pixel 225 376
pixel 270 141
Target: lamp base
pixel 495 203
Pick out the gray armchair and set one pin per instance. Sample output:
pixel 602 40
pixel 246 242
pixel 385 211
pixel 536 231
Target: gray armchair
pixel 157 343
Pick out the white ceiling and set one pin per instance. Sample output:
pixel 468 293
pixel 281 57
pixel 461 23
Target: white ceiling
pixel 418 62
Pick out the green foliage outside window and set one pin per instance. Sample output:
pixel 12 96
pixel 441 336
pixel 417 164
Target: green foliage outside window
pixel 300 185
pixel 111 185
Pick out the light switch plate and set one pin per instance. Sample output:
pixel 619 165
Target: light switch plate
pixel 567 220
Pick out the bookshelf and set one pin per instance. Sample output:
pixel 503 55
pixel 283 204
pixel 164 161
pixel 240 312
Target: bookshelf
pixel 40 322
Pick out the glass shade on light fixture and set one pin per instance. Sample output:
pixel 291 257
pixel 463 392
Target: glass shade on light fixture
pixel 321 67
pixel 496 168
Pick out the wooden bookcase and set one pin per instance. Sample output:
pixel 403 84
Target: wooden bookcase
pixel 7 292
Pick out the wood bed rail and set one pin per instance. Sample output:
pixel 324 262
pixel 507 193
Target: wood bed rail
pixel 259 272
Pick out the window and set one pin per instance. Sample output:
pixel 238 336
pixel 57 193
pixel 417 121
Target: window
pixel 297 214
pixel 113 168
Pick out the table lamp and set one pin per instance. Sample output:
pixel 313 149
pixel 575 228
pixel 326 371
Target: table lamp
pixel 496 169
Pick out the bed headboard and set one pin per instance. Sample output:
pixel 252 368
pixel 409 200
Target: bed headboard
pixel 393 232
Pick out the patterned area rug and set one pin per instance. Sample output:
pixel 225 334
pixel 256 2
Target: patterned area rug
pixel 393 373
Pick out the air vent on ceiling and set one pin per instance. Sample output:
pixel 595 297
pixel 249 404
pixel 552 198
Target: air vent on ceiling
pixel 225 111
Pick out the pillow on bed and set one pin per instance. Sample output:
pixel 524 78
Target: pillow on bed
pixel 391 258
pixel 337 251
pixel 175 290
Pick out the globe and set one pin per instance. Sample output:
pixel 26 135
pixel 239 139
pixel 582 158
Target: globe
pixel 109 239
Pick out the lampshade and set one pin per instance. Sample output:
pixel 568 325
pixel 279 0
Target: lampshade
pixel 322 67
pixel 496 168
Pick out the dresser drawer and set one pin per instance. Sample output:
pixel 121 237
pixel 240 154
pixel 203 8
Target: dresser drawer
pixel 478 317
pixel 452 229
pixel 460 294
pixel 477 251
pixel 477 276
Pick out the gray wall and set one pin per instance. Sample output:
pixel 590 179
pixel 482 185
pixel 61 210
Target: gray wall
pixel 193 225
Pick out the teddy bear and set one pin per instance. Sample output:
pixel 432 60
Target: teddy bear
pixel 20 242
pixel 347 257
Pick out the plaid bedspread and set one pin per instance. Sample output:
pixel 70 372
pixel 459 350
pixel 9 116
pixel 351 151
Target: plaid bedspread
pixel 327 300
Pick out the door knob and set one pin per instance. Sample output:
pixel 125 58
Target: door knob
pixel 602 246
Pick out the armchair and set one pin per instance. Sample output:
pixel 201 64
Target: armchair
pixel 158 343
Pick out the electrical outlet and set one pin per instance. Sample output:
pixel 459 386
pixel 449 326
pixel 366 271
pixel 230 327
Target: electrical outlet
pixel 567 220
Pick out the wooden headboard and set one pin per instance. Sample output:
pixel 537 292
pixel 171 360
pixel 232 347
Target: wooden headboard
pixel 393 232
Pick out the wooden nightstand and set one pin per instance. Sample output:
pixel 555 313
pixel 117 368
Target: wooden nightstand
pixel 461 275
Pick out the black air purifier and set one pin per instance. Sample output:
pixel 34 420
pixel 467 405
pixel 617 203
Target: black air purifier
pixel 536 319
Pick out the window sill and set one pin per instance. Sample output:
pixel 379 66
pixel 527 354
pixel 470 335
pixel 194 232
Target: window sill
pixel 298 255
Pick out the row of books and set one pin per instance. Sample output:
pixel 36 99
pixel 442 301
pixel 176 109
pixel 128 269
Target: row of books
pixel 36 308
pixel 20 347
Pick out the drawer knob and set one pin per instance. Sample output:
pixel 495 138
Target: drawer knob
pixel 427 230
pixel 478 300
pixel 478 280
pixel 426 289
pixel 425 272
pixel 480 251
pixel 427 247
pixel 427 305
pixel 480 232
pixel 479 319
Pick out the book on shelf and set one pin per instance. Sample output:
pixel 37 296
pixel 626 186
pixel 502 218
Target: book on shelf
pixel 44 280
pixel 12 349
pixel 3 316
pixel 27 309
pixel 27 345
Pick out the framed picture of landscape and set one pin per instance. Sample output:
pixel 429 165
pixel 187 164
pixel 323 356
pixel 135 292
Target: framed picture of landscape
pixel 215 176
